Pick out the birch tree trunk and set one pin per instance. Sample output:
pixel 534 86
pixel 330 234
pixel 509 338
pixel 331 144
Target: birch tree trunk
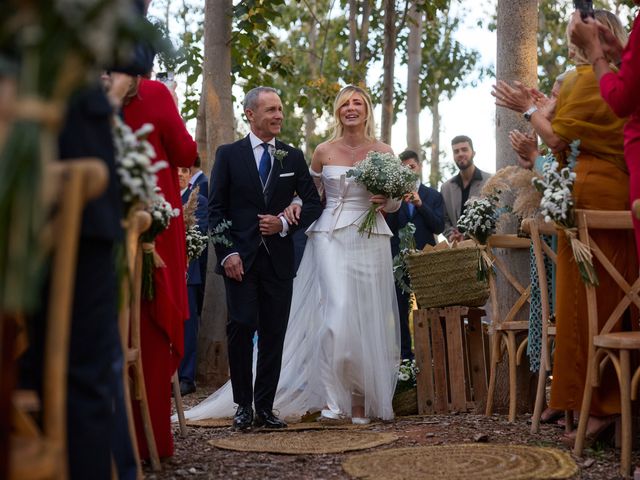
pixel 434 170
pixel 388 63
pixel 414 63
pixel 213 366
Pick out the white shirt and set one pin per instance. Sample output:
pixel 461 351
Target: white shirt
pixel 194 177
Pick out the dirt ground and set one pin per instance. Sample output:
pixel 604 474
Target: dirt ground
pixel 196 458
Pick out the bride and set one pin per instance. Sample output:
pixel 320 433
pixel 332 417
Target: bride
pixel 341 350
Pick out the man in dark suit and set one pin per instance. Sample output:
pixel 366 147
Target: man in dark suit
pixel 195 279
pixel 252 182
pixel 425 209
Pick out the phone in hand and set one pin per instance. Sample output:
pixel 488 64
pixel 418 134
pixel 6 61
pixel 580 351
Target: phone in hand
pixel 585 7
pixel 168 78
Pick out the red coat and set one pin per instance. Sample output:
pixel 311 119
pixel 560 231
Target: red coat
pixel 162 319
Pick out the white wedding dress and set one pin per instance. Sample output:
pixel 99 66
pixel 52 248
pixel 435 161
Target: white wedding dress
pixel 342 345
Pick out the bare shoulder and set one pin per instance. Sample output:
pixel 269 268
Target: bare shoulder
pixel 382 147
pixel 320 155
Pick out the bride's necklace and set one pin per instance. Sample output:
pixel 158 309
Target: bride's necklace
pixel 353 150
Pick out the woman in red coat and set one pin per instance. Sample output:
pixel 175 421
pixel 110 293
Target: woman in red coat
pixel 161 319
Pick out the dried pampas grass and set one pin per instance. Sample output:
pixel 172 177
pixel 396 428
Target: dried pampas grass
pixel 514 190
pixel 189 209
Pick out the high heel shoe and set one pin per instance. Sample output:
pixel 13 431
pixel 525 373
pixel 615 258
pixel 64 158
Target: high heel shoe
pixel 604 430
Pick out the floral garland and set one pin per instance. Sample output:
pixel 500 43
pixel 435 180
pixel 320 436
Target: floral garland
pixel 381 174
pixel 557 205
pixel 196 242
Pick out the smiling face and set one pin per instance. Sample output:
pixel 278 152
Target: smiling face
pixel 463 155
pixel 353 112
pixel 266 118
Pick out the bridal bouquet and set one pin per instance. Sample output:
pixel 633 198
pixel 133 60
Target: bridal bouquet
pixel 136 171
pixel 557 205
pixel 161 214
pixel 381 174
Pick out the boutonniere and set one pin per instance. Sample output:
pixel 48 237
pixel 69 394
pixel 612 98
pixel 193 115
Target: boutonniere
pixel 280 154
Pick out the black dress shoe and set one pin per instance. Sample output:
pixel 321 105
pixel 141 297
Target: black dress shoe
pixel 243 419
pixel 266 419
pixel 187 387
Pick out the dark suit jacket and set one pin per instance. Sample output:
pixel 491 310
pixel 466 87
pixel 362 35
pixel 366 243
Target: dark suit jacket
pixel 428 219
pixel 203 182
pixel 237 195
pixel 195 276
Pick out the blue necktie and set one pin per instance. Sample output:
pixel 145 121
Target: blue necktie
pixel 265 164
pixel 412 209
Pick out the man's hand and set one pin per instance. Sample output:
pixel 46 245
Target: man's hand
pixel 269 224
pixel 292 213
pixel 414 198
pixel 233 267
pixel 455 236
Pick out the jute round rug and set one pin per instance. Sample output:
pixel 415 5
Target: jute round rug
pixel 227 422
pixel 308 442
pixel 466 461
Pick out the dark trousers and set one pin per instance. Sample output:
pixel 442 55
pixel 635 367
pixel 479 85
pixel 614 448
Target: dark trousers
pixel 261 303
pixel 187 371
pixel 405 333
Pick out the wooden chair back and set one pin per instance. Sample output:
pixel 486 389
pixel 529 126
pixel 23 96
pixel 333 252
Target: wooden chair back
pixel 41 452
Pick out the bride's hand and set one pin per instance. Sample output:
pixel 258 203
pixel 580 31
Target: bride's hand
pixel 379 200
pixel 292 213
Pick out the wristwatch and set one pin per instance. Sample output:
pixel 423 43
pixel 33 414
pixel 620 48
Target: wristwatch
pixel 528 113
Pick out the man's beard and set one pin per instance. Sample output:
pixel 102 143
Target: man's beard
pixel 464 167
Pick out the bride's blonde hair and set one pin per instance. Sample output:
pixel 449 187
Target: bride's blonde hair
pixel 343 96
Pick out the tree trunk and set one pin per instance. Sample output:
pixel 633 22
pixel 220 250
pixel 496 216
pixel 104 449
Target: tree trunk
pixel 358 40
pixel 309 114
pixel 516 60
pixel 213 368
pixel 414 63
pixel 388 63
pixel 434 174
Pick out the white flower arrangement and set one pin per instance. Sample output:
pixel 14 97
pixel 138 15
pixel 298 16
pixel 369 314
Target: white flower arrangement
pixel 407 372
pixel 479 218
pixel 381 174
pixel 196 242
pixel 557 205
pixel 135 168
pixel 407 245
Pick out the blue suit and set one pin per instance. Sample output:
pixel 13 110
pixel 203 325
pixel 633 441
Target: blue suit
pixel 429 222
pixel 203 182
pixel 195 280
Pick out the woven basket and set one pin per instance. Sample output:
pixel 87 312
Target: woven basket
pixel 443 277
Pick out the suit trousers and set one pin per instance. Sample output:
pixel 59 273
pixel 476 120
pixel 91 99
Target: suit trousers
pixel 260 302
pixel 187 370
pixel 405 333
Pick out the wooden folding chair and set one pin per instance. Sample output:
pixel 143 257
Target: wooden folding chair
pixel 607 345
pixel 40 452
pixel 506 329
pixel 538 228
pixel 129 324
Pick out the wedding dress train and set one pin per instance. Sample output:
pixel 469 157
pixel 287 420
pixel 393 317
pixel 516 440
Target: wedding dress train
pixel 342 343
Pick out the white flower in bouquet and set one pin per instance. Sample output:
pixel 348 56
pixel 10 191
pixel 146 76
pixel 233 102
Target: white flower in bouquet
pixel 479 218
pixel 196 242
pixel 137 172
pixel 381 174
pixel 557 205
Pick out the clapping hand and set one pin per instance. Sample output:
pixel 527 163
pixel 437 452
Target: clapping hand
pixel 516 98
pixel 526 146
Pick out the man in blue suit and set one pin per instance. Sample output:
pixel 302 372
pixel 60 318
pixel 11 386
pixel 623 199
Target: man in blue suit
pixel 200 180
pixel 252 182
pixel 195 279
pixel 425 209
